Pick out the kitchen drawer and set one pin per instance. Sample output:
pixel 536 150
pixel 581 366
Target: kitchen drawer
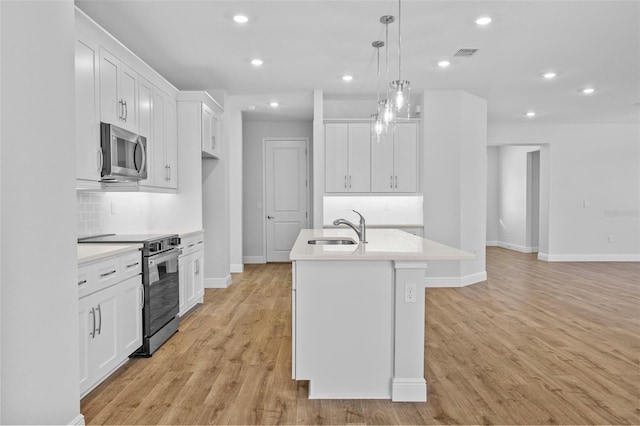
pixel 192 244
pixel 95 276
pixel 131 265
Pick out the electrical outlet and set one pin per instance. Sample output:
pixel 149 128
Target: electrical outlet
pixel 410 293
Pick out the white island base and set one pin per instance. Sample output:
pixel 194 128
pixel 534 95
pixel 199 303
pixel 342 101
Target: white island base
pixel 358 315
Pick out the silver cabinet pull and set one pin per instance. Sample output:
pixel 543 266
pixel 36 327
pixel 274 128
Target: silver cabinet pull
pixel 270 217
pixel 391 182
pixel 93 333
pixel 106 274
pixel 396 181
pixel 191 245
pixel 126 111
pixel 345 181
pixel 121 113
pixel 133 264
pixel 142 296
pixel 99 319
pixel 82 282
pixel 349 181
pixel 167 169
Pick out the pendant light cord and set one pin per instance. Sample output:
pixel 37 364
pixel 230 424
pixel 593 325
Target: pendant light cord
pixel 399 40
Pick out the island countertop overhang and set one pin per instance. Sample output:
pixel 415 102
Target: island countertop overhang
pixel 382 244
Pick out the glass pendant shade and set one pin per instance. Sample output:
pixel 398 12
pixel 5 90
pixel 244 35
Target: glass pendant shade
pixel 402 98
pixel 376 127
pixel 387 116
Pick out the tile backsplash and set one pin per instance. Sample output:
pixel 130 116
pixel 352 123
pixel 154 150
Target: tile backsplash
pixel 92 210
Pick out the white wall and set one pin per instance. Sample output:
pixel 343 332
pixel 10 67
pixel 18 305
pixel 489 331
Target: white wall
pixel 235 190
pixel 455 182
pixel 39 263
pixel 593 184
pixel 514 205
pixel 216 213
pixel 253 179
pixel 493 176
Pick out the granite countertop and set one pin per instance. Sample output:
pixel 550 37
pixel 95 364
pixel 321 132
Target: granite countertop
pixel 383 244
pixel 88 252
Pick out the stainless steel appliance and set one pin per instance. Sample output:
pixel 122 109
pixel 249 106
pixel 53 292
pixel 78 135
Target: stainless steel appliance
pixel 161 285
pixel 124 154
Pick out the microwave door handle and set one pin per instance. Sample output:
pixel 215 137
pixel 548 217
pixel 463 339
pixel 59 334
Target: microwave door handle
pixel 144 157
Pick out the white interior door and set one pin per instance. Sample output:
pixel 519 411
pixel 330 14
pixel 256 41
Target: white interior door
pixel 285 195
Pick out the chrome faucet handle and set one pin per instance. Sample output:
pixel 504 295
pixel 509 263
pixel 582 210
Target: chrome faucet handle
pixel 361 217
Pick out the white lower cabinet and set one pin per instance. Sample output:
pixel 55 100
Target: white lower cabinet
pixel 191 271
pixel 110 319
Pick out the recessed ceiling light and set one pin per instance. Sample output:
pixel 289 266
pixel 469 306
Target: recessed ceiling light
pixel 256 62
pixel 530 114
pixel 347 77
pixel 241 19
pixel 273 104
pixel 588 90
pixel 483 20
pixel 444 64
pixel 549 75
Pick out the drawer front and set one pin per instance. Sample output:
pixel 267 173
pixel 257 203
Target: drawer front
pixel 192 244
pixel 131 265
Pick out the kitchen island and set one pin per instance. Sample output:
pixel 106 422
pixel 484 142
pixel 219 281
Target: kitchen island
pixel 358 312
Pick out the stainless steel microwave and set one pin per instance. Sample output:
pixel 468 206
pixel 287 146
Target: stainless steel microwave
pixel 124 154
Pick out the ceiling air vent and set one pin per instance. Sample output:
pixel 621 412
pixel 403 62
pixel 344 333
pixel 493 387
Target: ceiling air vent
pixel 465 52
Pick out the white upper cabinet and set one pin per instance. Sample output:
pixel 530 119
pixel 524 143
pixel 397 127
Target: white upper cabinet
pixel 347 157
pixel 118 92
pixel 162 145
pixel 210 133
pixel 394 161
pixel 88 153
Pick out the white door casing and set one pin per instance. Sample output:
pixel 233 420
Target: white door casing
pixel 286 195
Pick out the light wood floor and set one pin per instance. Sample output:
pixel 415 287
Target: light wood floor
pixel 538 343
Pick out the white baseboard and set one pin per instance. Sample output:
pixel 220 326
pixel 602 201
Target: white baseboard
pixel 254 259
pixel 217 282
pixel 78 421
pixel 516 247
pixel 491 243
pixel 236 269
pixel 442 282
pixel 409 390
pixel 623 257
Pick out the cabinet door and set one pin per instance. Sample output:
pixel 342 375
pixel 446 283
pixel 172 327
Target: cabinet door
pixel 104 354
pixel 190 290
pixel 128 93
pixel 171 142
pixel 182 283
pixel 336 157
pixel 210 127
pixel 406 157
pixel 130 315
pixel 382 172
pixel 110 106
pixel 86 331
pixel 359 157
pixel 88 153
pixel 198 280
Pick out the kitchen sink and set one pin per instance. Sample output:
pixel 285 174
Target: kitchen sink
pixel 332 241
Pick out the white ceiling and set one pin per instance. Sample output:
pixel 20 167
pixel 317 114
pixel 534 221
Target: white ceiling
pixel 308 45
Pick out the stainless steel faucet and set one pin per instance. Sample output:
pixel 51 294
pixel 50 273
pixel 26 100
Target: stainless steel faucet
pixel 361 230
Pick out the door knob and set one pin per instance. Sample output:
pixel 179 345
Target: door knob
pixel 270 217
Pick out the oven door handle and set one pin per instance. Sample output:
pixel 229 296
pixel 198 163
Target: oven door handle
pixel 163 257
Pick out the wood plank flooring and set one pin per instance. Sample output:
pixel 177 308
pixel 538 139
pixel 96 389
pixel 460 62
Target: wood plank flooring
pixel 538 343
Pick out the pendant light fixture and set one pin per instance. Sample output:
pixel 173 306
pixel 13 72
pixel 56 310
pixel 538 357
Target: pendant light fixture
pixel 376 118
pixel 386 106
pixel 401 88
